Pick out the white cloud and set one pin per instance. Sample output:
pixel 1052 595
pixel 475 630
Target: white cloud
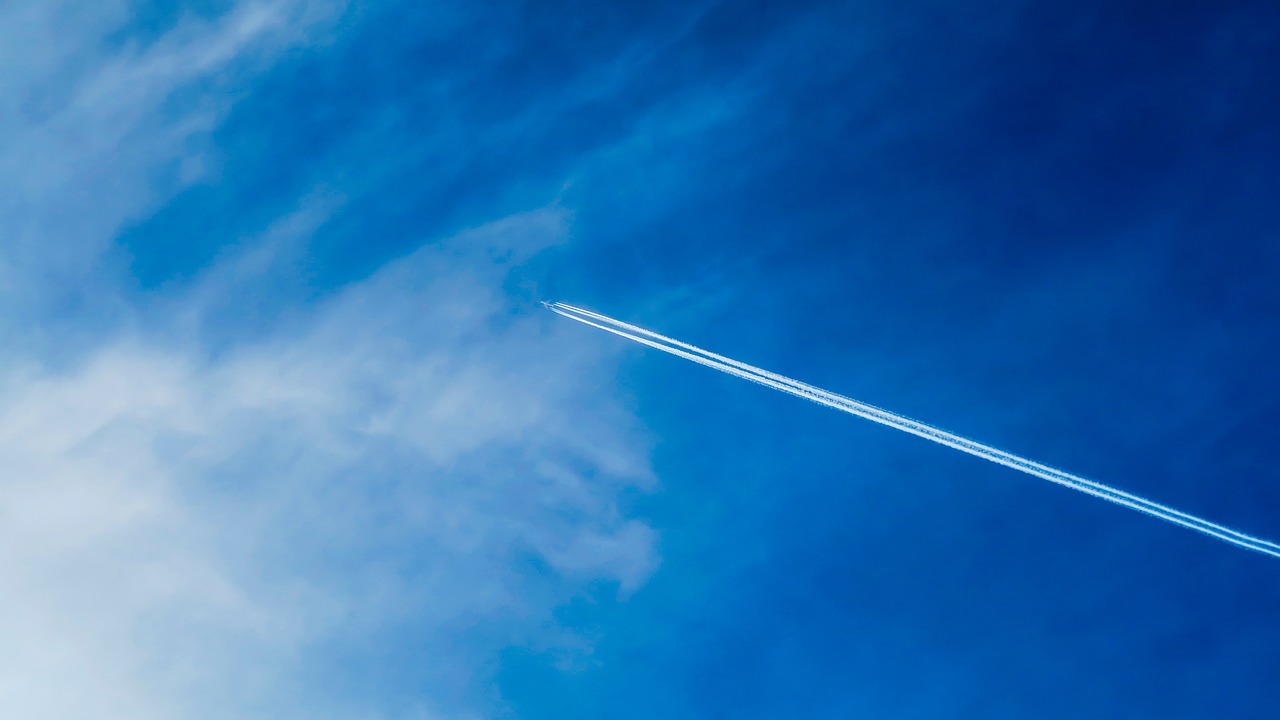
pixel 93 135
pixel 175 525
pixel 191 533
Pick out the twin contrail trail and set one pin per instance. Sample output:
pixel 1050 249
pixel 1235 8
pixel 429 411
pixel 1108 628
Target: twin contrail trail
pixel 893 420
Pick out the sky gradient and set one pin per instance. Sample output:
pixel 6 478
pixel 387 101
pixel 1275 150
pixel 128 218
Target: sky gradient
pixel 285 432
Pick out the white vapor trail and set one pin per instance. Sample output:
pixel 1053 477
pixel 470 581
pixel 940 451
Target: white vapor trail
pixel 893 420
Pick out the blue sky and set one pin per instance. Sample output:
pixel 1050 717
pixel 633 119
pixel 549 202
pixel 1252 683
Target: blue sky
pixel 284 431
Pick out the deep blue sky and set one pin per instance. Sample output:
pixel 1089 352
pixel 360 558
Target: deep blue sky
pixel 1050 226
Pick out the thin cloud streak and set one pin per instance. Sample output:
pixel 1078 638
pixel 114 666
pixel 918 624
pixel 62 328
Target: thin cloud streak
pixel 915 427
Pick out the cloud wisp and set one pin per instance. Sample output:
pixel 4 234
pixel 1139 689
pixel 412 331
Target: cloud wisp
pixel 915 427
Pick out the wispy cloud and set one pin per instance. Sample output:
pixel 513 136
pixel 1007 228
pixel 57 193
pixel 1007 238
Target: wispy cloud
pixel 191 528
pixel 97 136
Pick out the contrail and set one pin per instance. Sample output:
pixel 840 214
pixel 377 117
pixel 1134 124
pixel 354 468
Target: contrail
pixel 915 427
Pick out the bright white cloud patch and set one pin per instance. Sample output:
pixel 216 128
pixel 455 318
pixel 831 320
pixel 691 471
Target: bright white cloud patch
pixel 187 533
pixel 407 457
